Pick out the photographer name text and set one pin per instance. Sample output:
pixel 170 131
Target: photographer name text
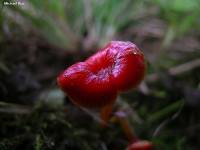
pixel 16 3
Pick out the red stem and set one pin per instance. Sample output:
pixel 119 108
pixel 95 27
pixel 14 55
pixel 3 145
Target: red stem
pixel 128 131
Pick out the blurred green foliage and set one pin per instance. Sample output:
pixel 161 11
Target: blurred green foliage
pixel 85 24
pixel 180 15
pixel 69 23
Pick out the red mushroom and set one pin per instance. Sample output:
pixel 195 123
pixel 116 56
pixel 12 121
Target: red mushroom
pixel 96 82
pixel 140 145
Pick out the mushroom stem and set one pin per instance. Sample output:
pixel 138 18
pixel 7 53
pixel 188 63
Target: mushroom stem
pixel 121 118
pixel 128 131
pixel 105 114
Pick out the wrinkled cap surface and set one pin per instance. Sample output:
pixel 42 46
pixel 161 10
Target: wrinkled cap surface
pixel 95 82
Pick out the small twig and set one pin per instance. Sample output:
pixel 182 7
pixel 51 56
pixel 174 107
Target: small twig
pixel 14 108
pixel 165 111
pixel 177 70
pixel 184 67
pixel 167 121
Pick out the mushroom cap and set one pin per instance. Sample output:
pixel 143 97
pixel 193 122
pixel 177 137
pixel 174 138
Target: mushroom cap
pixel 95 82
